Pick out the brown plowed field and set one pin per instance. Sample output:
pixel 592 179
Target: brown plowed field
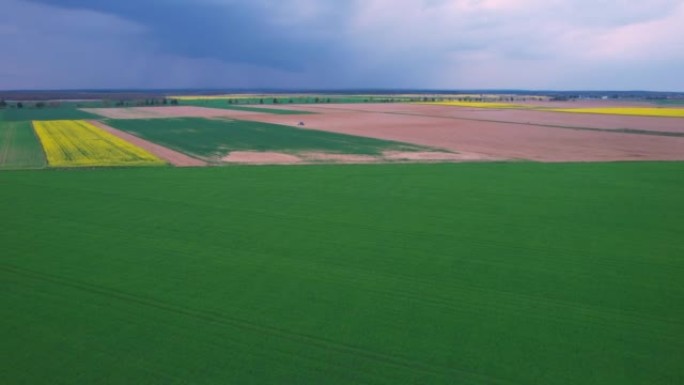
pixel 445 127
pixel 174 157
pixel 543 118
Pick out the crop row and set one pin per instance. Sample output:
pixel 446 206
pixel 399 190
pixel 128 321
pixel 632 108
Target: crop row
pixel 77 143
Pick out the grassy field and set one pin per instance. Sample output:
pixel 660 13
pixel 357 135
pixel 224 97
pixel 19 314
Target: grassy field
pixel 76 143
pixel 515 273
pixel 292 99
pixel 29 114
pixel 212 139
pixel 19 146
pixel 672 102
pixel 218 103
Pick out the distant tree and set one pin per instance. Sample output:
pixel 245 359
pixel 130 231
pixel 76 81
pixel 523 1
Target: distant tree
pixel 174 102
pixel 20 105
pixel 40 105
pixel 3 103
pixel 275 101
pixel 166 101
pixel 261 101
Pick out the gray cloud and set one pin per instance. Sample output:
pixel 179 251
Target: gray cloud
pixel 552 44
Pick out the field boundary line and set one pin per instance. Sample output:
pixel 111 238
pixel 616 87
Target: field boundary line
pixel 174 157
pixel 40 142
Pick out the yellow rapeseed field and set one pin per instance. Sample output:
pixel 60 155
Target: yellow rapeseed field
pixel 632 111
pixel 77 143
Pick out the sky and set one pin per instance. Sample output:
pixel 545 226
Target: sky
pixel 343 44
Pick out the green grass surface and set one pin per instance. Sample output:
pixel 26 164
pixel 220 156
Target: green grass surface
pixel 212 139
pixel 224 105
pixel 670 102
pixel 19 146
pixel 370 274
pixel 308 99
pixel 57 113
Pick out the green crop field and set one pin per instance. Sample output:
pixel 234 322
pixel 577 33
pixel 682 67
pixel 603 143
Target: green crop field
pixel 213 139
pixel 47 113
pixel 497 273
pixel 19 146
pixel 221 101
pixel 217 103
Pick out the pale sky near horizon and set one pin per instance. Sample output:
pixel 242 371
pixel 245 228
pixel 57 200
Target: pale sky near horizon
pixel 439 44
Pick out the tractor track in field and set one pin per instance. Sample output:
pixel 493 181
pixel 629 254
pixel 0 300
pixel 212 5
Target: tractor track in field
pixel 213 317
pixel 8 137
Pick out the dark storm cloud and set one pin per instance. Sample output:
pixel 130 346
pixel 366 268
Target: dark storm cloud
pixel 235 32
pixel 542 44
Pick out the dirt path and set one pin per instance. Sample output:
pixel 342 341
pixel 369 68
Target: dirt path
pixel 174 157
pixel 269 157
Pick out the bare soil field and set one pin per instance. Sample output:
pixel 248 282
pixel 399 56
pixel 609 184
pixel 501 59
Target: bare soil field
pixel 428 126
pixel 173 157
pixel 544 118
pixel 261 157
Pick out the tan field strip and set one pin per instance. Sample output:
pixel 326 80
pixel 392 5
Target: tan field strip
pixel 173 157
pixel 269 157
